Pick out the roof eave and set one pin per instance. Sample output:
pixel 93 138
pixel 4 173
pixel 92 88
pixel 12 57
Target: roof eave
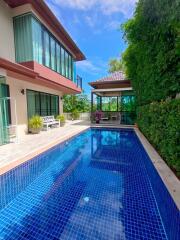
pixel 108 82
pixel 45 12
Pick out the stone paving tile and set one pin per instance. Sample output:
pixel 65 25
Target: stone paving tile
pixel 30 143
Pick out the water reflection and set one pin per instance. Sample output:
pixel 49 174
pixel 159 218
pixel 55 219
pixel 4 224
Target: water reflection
pixel 109 149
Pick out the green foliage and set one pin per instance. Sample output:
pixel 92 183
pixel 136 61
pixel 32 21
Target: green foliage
pixel 75 114
pixel 160 122
pixel 116 65
pixel 109 104
pixel 152 56
pixel 79 102
pixel 61 118
pixel 128 103
pixel 35 122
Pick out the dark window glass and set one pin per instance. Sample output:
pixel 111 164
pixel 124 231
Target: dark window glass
pixel 54 105
pixel 34 42
pixel 5 104
pixel 53 54
pixel 42 104
pixel 46 49
pixel 63 61
pixel 70 67
pixel 67 64
pixel 37 41
pixel 74 72
pixel 58 58
pixel 43 110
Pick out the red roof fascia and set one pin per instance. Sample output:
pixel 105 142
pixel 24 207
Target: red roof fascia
pixel 37 72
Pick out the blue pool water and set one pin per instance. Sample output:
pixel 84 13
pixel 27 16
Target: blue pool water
pixel 98 185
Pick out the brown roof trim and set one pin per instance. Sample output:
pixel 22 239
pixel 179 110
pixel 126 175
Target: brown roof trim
pixel 33 75
pixel 43 10
pixel 108 82
pixel 14 67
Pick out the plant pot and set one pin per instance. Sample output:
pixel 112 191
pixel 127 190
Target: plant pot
pixel 62 124
pixel 35 130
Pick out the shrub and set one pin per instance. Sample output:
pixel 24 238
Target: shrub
pixel 160 123
pixel 61 118
pixel 152 55
pixel 75 114
pixel 35 124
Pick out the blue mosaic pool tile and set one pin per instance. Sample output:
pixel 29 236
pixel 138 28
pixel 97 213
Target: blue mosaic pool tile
pixel 95 186
pixel 167 207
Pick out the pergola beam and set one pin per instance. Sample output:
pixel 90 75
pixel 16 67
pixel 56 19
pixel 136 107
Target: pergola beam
pixel 112 90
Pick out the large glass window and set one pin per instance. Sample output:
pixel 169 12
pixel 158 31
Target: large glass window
pixel 70 67
pixel 66 64
pixel 58 58
pixel 34 42
pixel 54 105
pixel 42 104
pixel 37 41
pixel 74 71
pixel 128 103
pixel 53 54
pixel 63 61
pixel 5 113
pixel 46 49
pixel 23 38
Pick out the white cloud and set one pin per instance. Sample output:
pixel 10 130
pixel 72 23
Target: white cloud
pixel 125 7
pixel 87 66
pixel 90 67
pixel 113 25
pixel 107 7
pixel 90 21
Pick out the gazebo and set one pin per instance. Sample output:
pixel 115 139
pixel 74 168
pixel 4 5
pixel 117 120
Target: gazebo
pixel 113 100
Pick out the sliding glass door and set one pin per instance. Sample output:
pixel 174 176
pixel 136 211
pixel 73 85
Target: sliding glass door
pixel 42 104
pixel 5 117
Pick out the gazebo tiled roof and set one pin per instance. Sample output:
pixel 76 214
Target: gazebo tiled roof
pixel 116 76
pixel 115 80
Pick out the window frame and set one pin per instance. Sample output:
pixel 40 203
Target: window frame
pixel 39 94
pixel 44 30
pixel 57 42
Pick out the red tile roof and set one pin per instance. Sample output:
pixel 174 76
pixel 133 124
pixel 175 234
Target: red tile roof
pixel 116 76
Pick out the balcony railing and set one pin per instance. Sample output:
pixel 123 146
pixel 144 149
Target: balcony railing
pixel 79 81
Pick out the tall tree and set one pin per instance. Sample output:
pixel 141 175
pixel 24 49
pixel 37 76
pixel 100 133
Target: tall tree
pixel 115 65
pixel 152 56
pixel 79 103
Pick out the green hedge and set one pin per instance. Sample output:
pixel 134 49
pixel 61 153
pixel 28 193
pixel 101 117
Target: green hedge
pixel 160 123
pixel 152 55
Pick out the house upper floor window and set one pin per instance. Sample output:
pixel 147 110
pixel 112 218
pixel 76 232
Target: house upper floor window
pixel 33 42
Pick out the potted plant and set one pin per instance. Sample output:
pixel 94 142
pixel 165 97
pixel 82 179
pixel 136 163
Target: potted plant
pixel 98 116
pixel 35 124
pixel 62 120
pixel 75 114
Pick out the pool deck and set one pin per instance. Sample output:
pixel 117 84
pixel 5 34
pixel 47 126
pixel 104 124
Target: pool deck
pixel 29 146
pixel 11 155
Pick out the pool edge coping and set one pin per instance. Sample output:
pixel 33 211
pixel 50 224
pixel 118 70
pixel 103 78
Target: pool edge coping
pixel 16 162
pixel 166 174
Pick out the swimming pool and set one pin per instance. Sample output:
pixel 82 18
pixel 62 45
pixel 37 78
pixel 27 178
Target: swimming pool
pixel 98 185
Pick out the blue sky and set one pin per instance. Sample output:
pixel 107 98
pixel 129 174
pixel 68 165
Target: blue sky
pixel 93 25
